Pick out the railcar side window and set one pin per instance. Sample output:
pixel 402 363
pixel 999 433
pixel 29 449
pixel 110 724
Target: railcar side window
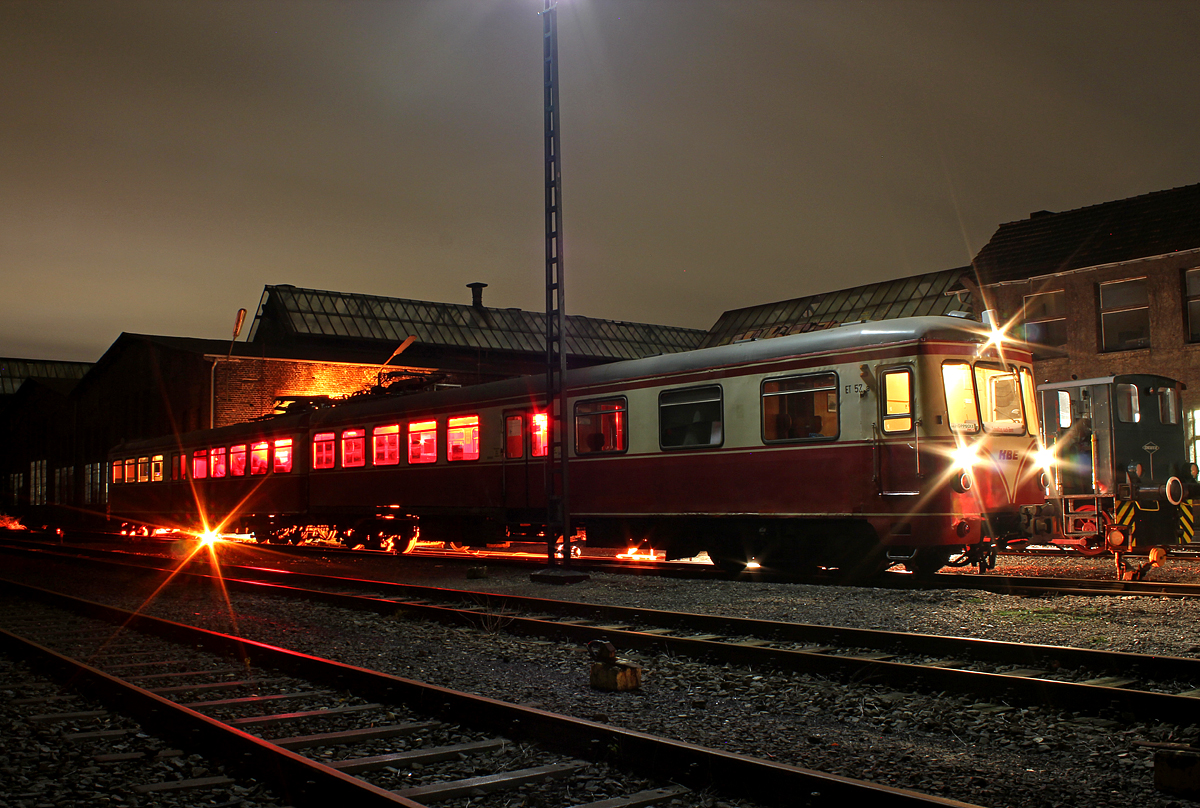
pixel 800 407
pixel 283 456
pixel 600 426
pixel 323 450
pixel 143 470
pixel 422 442
pixel 200 464
pixel 514 437
pixel 897 401
pixel 131 469
pixel 258 457
pixel 118 471
pixel 1168 405
pixel 690 417
pixel 539 434
pixel 156 469
pixel 178 467
pixel 354 444
pixel 999 400
pixel 216 462
pixel 237 460
pixel 960 397
pixel 1127 403
pixel 462 438
pixel 386 445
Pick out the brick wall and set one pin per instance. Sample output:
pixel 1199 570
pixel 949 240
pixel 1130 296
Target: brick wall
pixel 247 388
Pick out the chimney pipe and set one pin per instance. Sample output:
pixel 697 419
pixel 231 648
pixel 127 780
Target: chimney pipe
pixel 477 293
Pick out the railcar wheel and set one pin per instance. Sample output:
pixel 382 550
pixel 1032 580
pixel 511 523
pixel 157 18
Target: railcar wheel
pixel 927 561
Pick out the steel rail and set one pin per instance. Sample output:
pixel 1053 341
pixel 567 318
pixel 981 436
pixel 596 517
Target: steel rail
pixel 697 766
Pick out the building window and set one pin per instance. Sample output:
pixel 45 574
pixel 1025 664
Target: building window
pixel 37 482
pixel 422 442
pixel 897 401
pixel 1125 315
pixel 354 448
pixel 690 417
pixel 1046 318
pixel 600 426
pixel 462 438
pixel 1192 294
pixel 385 444
pixel 323 450
pixel 237 460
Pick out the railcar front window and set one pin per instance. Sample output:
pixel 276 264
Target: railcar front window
pixel 1029 392
pixel 422 442
pixel 354 445
pixel 323 450
pixel 387 445
pixel 237 460
pixel 258 457
pixel 462 438
pixel 1128 410
pixel 999 394
pixel 600 426
pixel 800 408
pixel 200 464
pixel 897 401
pixel 960 397
pixel 283 456
pixel 216 462
pixel 690 417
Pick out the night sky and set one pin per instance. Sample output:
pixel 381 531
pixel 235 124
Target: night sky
pixel 162 161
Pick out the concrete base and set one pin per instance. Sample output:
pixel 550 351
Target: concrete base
pixel 558 575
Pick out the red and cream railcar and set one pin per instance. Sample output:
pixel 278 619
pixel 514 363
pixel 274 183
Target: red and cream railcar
pixel 911 440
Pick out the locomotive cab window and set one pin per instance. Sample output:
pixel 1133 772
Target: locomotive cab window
pixel 1168 405
pixel 800 408
pixel 462 438
pixel 422 442
pixel 323 450
pixel 237 460
pixel 999 393
pixel 386 440
pixel 690 417
pixel 1128 411
pixel 897 401
pixel 600 426
pixel 1029 393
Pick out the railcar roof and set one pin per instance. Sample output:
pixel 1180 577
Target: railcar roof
pixel 1121 378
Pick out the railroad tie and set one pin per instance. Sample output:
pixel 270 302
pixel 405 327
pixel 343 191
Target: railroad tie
pixel 422 756
pixel 651 796
pixel 471 786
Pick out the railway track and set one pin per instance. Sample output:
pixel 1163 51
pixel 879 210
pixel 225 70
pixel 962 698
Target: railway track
pixel 1086 681
pixel 321 732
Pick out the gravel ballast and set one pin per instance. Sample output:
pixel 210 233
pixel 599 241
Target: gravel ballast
pixel 987 753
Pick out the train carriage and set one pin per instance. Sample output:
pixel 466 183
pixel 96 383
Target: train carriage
pixel 899 441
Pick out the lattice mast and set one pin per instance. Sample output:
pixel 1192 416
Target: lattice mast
pixel 558 517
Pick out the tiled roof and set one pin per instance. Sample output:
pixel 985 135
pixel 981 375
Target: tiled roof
pixel 1142 226
pixel 917 296
pixel 15 371
pixel 312 312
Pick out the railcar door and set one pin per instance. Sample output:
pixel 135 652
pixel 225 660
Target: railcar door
pixel 896 435
pixel 525 445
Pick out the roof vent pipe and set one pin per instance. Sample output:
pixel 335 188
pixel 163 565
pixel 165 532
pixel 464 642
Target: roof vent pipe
pixel 477 293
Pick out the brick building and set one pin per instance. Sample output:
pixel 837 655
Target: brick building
pixel 1105 289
